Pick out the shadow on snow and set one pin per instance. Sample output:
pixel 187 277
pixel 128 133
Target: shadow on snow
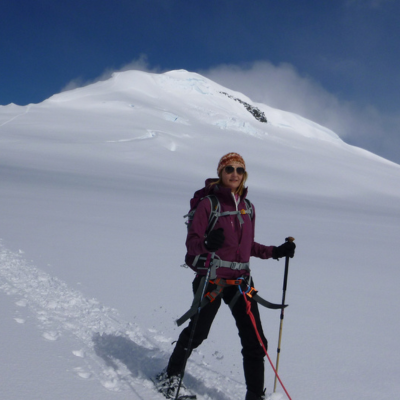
pixel 143 362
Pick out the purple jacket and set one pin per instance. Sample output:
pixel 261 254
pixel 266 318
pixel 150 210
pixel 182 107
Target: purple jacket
pixel 239 243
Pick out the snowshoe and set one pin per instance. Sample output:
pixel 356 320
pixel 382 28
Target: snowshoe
pixel 168 386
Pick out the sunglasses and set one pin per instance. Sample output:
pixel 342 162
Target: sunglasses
pixel 239 170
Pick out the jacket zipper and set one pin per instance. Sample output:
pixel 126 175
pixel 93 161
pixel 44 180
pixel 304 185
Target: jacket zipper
pixel 240 227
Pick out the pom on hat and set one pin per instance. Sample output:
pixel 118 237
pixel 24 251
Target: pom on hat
pixel 228 159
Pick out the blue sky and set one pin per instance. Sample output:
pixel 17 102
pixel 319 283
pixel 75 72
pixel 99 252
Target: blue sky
pixel 334 61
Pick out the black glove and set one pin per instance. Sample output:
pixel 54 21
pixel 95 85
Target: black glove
pixel 284 250
pixel 214 240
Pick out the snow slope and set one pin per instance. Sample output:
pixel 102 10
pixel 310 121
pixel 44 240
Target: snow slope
pixel 94 184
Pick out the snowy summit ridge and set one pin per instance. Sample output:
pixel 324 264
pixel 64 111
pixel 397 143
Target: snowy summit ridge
pixel 187 96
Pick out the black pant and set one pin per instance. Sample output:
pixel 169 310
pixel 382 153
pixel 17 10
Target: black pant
pixel 253 353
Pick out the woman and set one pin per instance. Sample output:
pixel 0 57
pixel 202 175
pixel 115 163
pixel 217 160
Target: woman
pixel 232 242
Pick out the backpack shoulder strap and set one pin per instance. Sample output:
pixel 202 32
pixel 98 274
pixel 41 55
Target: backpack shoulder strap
pixel 215 212
pixel 249 208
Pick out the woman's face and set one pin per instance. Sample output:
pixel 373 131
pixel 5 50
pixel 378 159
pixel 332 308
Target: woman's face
pixel 232 180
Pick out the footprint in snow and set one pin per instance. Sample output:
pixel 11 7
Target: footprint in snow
pixel 82 373
pixel 51 335
pixel 22 303
pixel 79 353
pixel 162 339
pixel 218 355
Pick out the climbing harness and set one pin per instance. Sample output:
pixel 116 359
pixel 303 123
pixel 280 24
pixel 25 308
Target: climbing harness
pixel 243 287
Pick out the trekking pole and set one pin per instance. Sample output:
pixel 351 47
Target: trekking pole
pixel 285 279
pixel 209 262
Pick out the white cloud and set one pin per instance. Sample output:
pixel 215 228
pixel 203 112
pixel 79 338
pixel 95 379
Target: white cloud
pixel 283 87
pixel 140 64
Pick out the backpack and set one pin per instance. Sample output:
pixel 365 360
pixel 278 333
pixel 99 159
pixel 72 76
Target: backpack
pixel 195 262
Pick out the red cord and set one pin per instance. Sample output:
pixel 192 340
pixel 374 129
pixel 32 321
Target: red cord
pixel 250 314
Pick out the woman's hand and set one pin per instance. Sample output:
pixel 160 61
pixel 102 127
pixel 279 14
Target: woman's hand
pixel 284 250
pixel 214 240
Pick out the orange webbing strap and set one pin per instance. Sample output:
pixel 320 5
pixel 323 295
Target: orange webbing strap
pixel 221 284
pixel 226 282
pixel 214 294
pixel 236 282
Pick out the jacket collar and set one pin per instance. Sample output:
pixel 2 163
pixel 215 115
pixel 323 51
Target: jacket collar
pixel 222 192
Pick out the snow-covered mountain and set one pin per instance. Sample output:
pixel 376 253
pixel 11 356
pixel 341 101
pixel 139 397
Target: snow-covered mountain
pixel 94 184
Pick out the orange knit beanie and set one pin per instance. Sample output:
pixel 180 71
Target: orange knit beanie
pixel 229 158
